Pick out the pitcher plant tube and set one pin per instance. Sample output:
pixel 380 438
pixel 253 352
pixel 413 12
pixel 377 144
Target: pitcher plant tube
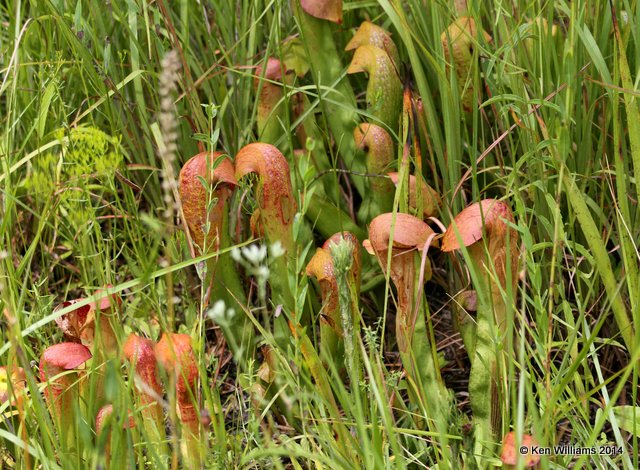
pixel 140 353
pixel 459 42
pixel 379 156
pixel 93 326
pixel 397 240
pixel 271 108
pixel 321 267
pixel 491 243
pixel 317 34
pixel 58 366
pixel 484 229
pixel 104 421
pixel 176 356
pixel 425 194
pixel 384 89
pixel 276 210
pixel 207 183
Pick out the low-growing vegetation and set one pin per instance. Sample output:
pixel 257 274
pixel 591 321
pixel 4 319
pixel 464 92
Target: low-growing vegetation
pixel 319 234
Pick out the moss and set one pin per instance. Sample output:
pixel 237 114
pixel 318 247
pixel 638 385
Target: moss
pixel 90 151
pixel 42 179
pixel 86 151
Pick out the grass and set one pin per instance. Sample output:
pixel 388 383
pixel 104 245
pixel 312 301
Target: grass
pixel 90 154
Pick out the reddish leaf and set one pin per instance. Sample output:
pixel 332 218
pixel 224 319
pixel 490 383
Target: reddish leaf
pixel 275 195
pixel 61 357
pixel 140 352
pixel 105 413
pixel 485 216
pixel 73 322
pixel 330 10
pixel 409 232
pixel 175 354
pixel 371 34
pixel 194 195
pixel 321 267
pixel 384 89
pixel 79 325
pixel 270 106
pixel 430 198
pixel 272 72
pixel 510 453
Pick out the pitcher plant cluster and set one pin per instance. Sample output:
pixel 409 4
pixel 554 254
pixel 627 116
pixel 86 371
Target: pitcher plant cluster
pixel 296 239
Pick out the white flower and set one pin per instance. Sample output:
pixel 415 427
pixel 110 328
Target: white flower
pixel 276 249
pixel 262 272
pixel 216 311
pixel 255 254
pixel 235 254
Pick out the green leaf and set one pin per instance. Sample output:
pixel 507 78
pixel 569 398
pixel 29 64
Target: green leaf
pixel 628 418
pixel 43 112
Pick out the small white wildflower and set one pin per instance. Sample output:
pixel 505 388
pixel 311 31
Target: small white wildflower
pixel 217 310
pixel 230 313
pixel 262 272
pixel 4 254
pixel 255 254
pixel 276 250
pixel 176 300
pixel 236 255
